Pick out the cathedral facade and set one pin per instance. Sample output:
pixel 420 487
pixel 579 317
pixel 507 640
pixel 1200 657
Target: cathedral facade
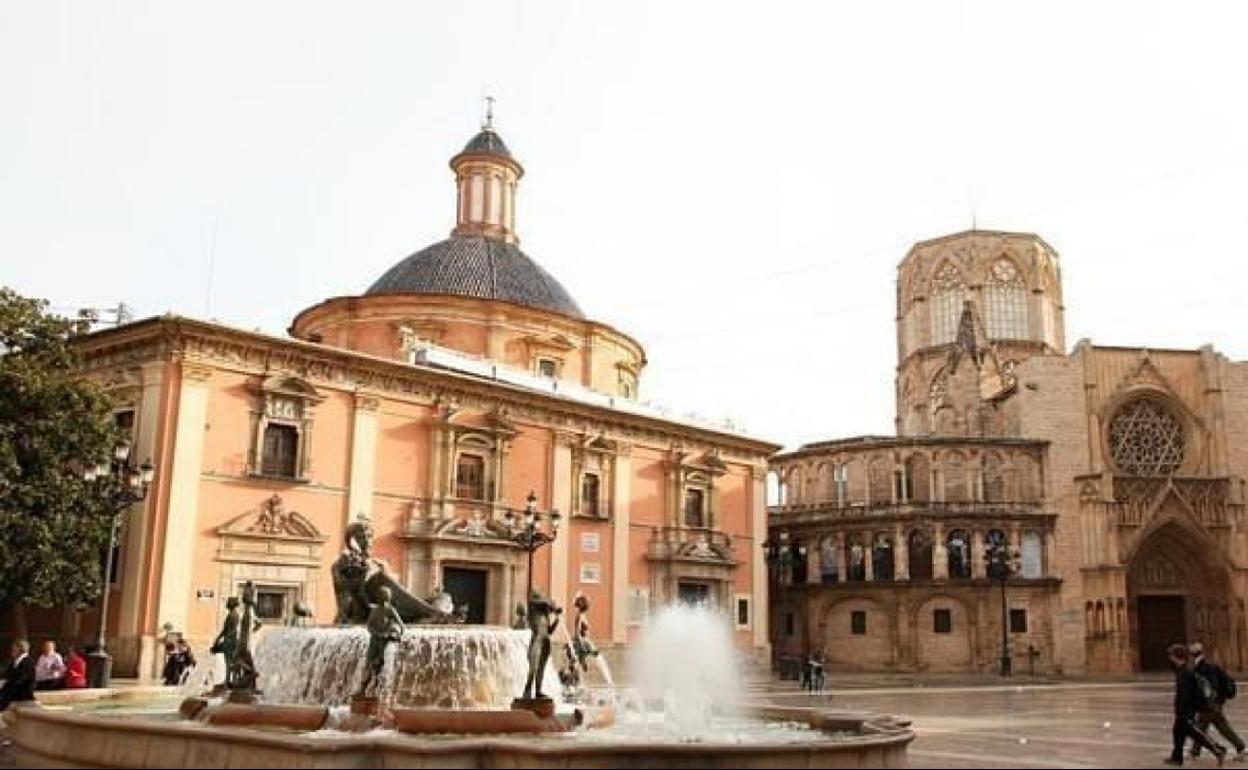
pixel 463 383
pixel 1050 512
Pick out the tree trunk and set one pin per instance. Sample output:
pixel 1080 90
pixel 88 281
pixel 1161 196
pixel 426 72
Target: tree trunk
pixel 20 629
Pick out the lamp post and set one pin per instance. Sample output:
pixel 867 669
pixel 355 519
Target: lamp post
pixel 1001 564
pixel 124 484
pixel 528 533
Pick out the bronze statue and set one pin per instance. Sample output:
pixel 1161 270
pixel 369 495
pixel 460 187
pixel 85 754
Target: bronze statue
pixel 543 616
pixel 241 669
pixel 350 573
pixel 521 621
pixel 581 643
pixel 358 578
pixel 226 643
pixel 385 627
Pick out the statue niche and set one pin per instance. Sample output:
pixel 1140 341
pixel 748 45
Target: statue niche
pixel 359 580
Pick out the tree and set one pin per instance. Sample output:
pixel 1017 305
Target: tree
pixel 54 424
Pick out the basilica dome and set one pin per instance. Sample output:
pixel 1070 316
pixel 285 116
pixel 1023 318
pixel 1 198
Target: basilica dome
pixel 481 267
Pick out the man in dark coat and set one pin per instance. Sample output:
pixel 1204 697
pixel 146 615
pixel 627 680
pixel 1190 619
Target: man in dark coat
pixel 1221 688
pixel 1188 702
pixel 19 678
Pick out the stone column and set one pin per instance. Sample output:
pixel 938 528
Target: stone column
pixel 940 557
pixel 977 554
pixel 760 605
pixel 842 558
pixel 812 561
pixel 181 528
pixel 136 557
pixel 1050 553
pixel 363 458
pixel 621 552
pixel 869 557
pixel 901 554
pixel 561 499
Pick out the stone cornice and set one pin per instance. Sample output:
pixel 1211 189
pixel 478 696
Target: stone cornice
pixel 177 338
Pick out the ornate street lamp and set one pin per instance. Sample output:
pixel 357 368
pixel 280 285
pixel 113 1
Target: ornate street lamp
pixel 124 485
pixel 1002 563
pixel 526 531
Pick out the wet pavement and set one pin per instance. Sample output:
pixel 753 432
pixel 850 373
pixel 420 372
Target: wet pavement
pixel 1069 725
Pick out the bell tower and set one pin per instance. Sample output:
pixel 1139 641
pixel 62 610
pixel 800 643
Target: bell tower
pixel 1006 288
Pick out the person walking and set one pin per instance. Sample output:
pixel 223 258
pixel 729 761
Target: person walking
pixel 1188 702
pixel 1218 687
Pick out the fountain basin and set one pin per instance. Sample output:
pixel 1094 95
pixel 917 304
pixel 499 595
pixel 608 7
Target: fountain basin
pixel 54 738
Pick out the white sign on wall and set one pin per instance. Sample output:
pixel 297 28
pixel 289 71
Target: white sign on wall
pixel 589 542
pixel 591 573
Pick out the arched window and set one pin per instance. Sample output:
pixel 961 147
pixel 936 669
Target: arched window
pixel 881 482
pixel 920 548
pixel 827 561
pixel 1005 301
pixel 856 559
pixel 1033 555
pixel 882 558
pixel 948 294
pixel 958 548
pixel 1146 439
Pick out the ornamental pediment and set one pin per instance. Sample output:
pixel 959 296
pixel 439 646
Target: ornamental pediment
pixel 272 521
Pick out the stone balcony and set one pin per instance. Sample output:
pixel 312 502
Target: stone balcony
pixel 799 514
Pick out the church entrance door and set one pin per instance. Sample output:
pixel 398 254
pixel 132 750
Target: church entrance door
pixel 1162 622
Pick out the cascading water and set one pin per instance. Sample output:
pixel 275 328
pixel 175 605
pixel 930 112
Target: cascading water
pixel 455 667
pixel 687 661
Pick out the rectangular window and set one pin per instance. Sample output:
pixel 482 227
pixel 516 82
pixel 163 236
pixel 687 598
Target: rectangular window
pixel 590 485
pixel 281 451
pixel 841 477
pixel 790 624
pixel 470 477
pixel 695 507
pixel 547 367
pixel 1018 621
pixel 743 612
pixel 858 623
pixel 942 621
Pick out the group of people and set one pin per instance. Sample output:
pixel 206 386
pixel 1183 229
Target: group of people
pixel 26 674
pixel 814 678
pixel 1201 691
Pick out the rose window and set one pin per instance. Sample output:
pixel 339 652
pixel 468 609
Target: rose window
pixel 1146 439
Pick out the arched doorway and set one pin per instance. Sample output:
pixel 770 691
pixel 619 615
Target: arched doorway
pixel 1177 585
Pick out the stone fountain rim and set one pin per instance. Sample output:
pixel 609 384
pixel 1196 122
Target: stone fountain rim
pixel 877 732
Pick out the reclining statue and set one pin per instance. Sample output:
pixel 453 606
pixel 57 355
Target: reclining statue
pixel 358 578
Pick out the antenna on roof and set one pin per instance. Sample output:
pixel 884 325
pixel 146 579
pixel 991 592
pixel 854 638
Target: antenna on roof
pixel 488 123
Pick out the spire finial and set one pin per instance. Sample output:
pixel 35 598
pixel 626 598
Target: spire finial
pixel 488 125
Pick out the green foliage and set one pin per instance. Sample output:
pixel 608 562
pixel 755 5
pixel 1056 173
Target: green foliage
pixel 54 525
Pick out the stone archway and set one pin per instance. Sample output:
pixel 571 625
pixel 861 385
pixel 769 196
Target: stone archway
pixel 1178 590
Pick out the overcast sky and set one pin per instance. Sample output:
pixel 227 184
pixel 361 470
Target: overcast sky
pixel 731 183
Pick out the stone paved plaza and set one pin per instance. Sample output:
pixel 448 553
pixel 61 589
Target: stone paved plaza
pixel 1073 725
pixel 1040 726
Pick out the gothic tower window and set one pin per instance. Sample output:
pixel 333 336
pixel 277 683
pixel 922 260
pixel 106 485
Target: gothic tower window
pixel 1005 301
pixel 1146 439
pixel 948 294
